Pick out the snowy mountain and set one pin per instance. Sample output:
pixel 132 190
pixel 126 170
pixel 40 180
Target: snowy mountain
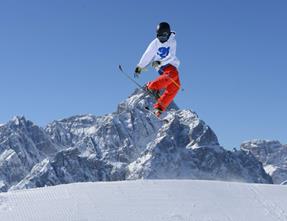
pixel 22 144
pixel 153 200
pixel 273 156
pixel 130 143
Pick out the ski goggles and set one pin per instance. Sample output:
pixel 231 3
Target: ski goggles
pixel 163 36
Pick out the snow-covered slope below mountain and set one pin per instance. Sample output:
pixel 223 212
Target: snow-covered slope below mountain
pixel 153 200
pixel 273 156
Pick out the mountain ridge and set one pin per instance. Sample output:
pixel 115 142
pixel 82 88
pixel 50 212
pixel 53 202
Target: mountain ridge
pixel 129 143
pixel 272 154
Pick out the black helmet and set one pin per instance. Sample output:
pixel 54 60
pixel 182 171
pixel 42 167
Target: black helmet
pixel 163 32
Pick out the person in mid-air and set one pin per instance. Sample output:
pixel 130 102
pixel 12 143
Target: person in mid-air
pixel 161 53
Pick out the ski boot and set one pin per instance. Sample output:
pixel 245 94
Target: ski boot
pixel 158 112
pixel 154 93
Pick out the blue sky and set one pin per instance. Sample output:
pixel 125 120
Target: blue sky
pixel 59 58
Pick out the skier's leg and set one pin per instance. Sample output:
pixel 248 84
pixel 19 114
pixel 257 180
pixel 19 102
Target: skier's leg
pixel 170 81
pixel 167 97
pixel 168 74
pixel 159 83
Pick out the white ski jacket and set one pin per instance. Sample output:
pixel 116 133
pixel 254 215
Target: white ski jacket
pixel 163 52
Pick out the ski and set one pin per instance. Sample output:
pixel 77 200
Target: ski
pixel 160 119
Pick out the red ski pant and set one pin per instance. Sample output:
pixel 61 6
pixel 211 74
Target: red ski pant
pixel 168 80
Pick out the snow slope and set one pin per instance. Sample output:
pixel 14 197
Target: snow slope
pixel 168 200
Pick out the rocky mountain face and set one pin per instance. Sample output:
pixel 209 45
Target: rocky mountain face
pixel 22 144
pixel 130 143
pixel 273 156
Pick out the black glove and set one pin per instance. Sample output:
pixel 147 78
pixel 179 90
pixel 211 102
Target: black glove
pixel 156 64
pixel 138 71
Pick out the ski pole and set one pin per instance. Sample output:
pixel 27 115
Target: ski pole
pixel 125 74
pixel 139 86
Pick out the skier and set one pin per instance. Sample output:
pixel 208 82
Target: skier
pixel 161 54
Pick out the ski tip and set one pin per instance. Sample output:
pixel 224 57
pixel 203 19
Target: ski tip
pixel 120 67
pixel 165 121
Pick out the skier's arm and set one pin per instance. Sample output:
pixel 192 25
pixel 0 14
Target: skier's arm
pixel 148 55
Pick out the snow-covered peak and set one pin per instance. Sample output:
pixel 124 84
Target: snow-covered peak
pixel 20 121
pixel 138 100
pixel 268 145
pixel 22 145
pixel 265 150
pixel 273 156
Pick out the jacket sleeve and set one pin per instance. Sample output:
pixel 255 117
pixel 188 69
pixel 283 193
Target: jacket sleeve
pixel 148 55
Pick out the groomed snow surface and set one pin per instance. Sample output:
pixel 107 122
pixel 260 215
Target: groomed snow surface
pixel 148 200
